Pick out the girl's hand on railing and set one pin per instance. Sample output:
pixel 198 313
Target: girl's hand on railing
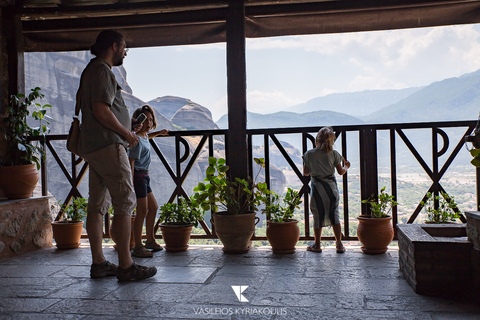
pixel 163 132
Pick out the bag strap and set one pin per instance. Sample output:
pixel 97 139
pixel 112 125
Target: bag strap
pixel 77 111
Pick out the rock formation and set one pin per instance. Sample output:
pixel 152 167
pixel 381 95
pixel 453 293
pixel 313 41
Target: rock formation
pixel 193 117
pixel 58 75
pixel 168 105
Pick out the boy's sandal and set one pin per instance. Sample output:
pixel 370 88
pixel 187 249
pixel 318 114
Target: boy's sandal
pixel 153 245
pixel 340 248
pixel 314 248
pixel 141 252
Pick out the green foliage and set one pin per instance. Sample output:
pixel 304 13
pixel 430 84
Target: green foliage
pixel 19 150
pixel 381 204
pixel 476 157
pixel 447 210
pixel 183 212
pixel 75 211
pixel 233 195
pixel 279 210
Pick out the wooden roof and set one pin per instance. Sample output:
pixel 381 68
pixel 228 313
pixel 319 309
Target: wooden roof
pixel 63 25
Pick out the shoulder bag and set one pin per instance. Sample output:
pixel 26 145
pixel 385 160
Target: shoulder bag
pixel 74 133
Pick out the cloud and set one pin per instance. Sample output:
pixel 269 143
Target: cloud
pixel 393 58
pixel 268 102
pixel 219 108
pixel 285 71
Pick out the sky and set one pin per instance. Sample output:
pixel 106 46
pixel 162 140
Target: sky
pixel 285 71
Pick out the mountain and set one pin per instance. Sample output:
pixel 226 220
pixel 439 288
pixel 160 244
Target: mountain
pixel 355 103
pixel 58 76
pixel 284 119
pixel 446 100
pixel 169 105
pixel 193 116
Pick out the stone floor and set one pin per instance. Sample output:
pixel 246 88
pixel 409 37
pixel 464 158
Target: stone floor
pixel 197 284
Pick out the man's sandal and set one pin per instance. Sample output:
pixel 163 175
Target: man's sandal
pixel 141 252
pixel 314 248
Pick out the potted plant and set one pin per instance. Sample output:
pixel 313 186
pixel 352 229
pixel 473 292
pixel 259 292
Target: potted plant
pixel 68 231
pixel 375 231
pixel 445 212
pixel 237 198
pixel 282 231
pixel 178 220
pixel 18 176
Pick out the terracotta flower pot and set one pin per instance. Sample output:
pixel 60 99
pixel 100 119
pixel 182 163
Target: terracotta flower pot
pixel 235 230
pixel 375 234
pixel 283 236
pixel 176 237
pixel 67 234
pixel 18 182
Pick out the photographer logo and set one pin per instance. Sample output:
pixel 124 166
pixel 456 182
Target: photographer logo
pixel 238 292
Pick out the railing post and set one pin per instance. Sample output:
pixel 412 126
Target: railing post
pixel 43 167
pixel 236 153
pixel 368 166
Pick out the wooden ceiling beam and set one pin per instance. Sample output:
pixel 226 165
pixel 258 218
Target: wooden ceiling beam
pixel 66 11
pixel 135 21
pixel 308 8
pixel 196 21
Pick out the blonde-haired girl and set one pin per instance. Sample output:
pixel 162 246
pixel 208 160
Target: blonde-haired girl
pixel 320 164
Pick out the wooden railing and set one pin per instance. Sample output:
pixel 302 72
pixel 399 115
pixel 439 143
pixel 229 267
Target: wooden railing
pixel 367 146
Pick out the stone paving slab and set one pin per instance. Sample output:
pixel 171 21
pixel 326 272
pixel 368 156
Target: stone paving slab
pixel 197 284
pixel 183 274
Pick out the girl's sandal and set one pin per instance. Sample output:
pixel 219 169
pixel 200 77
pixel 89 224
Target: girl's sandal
pixel 141 252
pixel 314 248
pixel 153 245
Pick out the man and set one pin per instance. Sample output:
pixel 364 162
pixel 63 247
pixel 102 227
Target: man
pixel 104 141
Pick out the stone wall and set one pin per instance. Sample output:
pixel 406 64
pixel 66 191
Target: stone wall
pixel 25 225
pixel 435 258
pixel 473 234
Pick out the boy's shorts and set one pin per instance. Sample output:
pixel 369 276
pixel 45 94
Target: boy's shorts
pixel 110 181
pixel 141 184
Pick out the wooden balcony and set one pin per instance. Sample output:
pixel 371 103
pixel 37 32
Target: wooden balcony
pixel 359 142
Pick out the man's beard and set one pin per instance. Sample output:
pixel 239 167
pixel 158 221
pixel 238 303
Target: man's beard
pixel 118 61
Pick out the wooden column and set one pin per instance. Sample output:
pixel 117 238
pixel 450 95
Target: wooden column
pixel 368 166
pixel 12 64
pixel 12 68
pixel 236 151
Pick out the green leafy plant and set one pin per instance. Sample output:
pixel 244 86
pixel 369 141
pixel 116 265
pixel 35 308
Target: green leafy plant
pixel 75 211
pixel 381 204
pixel 476 157
pixel 19 149
pixel 277 208
pixel 182 213
pixel 446 211
pixel 235 196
